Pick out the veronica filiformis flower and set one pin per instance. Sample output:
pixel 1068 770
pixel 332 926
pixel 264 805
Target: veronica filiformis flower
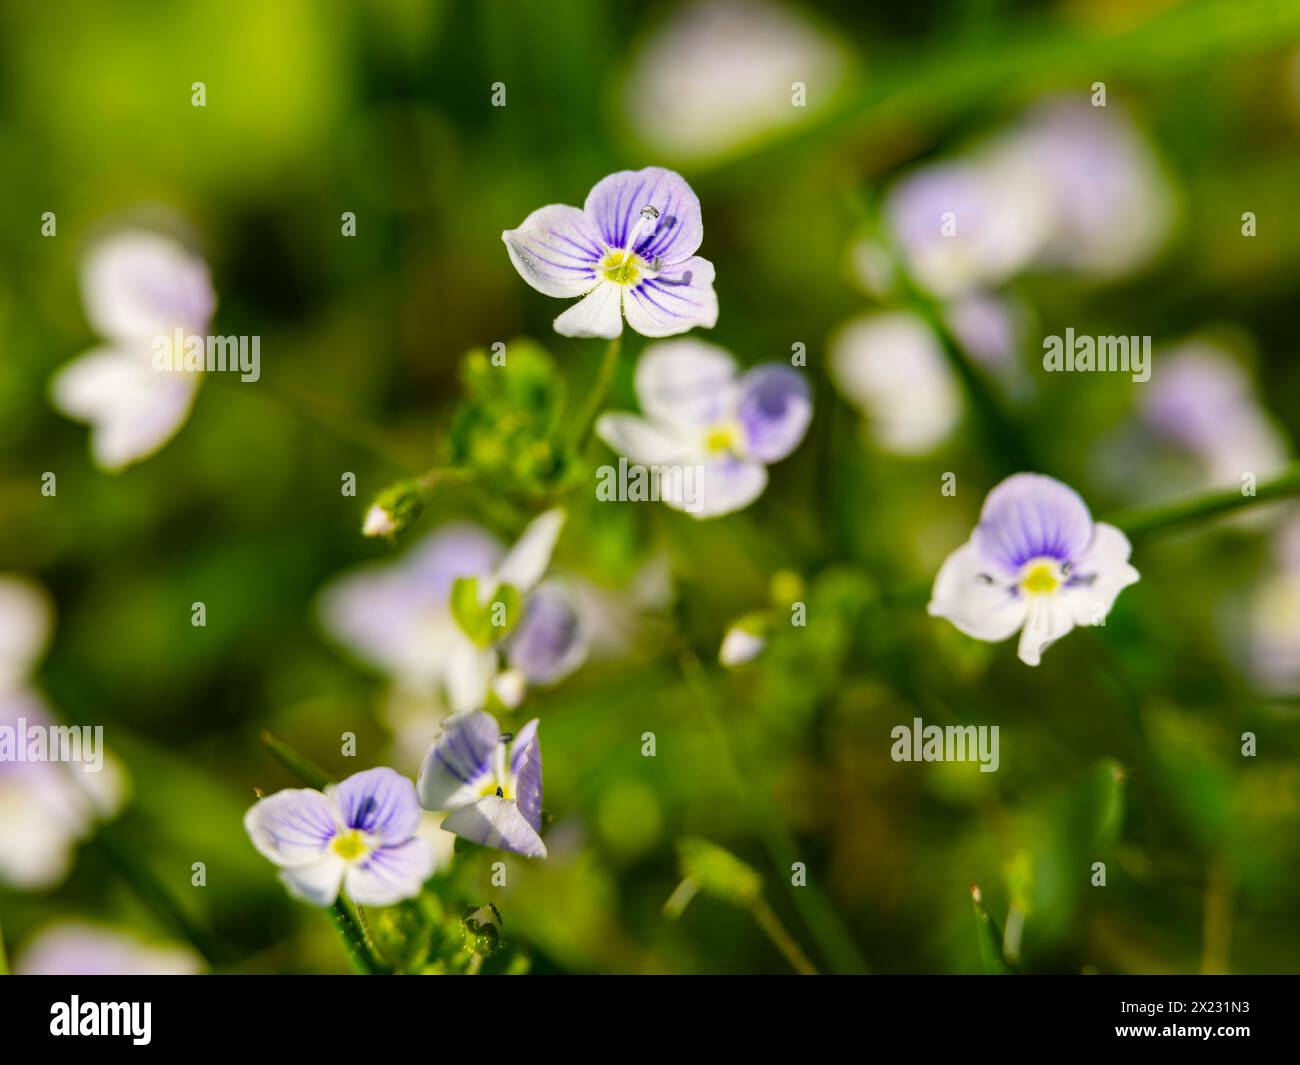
pixel 1036 564
pixel 139 289
pixel 629 252
pixel 491 782
pixel 359 836
pixel 707 430
pixel 400 617
pixel 82 948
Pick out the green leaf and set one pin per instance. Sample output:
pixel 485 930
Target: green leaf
pixel 485 623
pixel 990 937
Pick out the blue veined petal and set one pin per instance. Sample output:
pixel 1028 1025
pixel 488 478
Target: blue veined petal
pixel 390 874
pixel 526 773
pixel 499 823
pixel 1031 516
pixel 380 802
pixel 550 641
pixel 676 300
pixel 556 250
pixel 460 762
pixel 775 407
pixel 615 204
pixel 292 828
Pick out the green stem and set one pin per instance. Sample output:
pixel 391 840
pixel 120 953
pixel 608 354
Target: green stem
pixel 4 958
pixel 599 391
pixel 311 774
pixel 783 941
pixel 1162 517
pixel 358 948
pixel 832 936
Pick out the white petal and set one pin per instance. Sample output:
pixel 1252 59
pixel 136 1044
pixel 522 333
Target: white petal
pixel 1106 564
pixel 597 314
pixel 715 488
pixel 293 827
pixel 496 822
pixel 556 250
pixel 469 673
pixel 1046 622
pixel 319 882
pixel 137 285
pixel 26 618
pixel 686 383
pixel 642 441
pixel 527 561
pixel 964 596
pixel 133 409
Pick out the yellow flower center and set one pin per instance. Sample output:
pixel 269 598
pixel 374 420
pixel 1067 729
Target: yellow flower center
pixel 1041 578
pixel 621 267
pixel 722 437
pixel 350 845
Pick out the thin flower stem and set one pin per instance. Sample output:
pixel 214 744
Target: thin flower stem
pixel 1164 517
pixel 599 391
pixel 355 944
pixel 4 958
pixel 310 773
pixel 475 965
pixel 783 941
pixel 816 910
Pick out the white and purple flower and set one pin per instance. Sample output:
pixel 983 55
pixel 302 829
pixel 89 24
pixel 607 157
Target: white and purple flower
pixel 630 251
pixel 81 948
pixel 698 411
pixel 489 781
pixel 361 836
pixel 138 287
pixel 398 617
pixel 1036 563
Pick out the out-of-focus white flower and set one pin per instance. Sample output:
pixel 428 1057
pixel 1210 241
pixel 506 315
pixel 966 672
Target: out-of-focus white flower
pixel 890 366
pixel 741 644
pixel 1273 619
pixel 1202 401
pixel 1109 202
pixel 398 616
pixel 1069 187
pixel 721 75
pixel 139 289
pixel 82 948
pixel 46 808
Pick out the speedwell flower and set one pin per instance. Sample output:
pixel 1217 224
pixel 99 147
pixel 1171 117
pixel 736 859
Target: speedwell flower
pixel 629 251
pixel 1036 563
pixel 359 836
pixel 138 288
pixel 399 617
pixel 700 414
pixel 81 948
pixel 491 783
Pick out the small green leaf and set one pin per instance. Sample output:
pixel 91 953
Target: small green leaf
pixel 990 936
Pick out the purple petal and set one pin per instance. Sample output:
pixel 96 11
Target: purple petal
pixel 526 772
pixel 459 763
pixel 390 874
pixel 1031 516
pixel 292 828
pixel 614 207
pixel 556 250
pixel 496 822
pixel 775 407
pixel 381 802
pixel 680 298
pixel 550 641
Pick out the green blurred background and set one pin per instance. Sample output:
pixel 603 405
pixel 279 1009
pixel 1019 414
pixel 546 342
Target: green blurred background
pixel 1123 747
